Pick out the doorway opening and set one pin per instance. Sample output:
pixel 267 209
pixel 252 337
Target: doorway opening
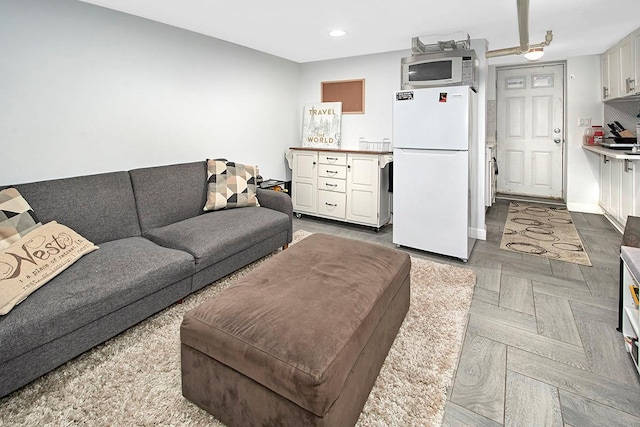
pixel 530 130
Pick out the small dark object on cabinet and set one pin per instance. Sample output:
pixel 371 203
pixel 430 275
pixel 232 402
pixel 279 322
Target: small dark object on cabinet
pixel 276 185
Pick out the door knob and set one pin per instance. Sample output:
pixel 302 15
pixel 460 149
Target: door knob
pixel 556 130
pixel 557 140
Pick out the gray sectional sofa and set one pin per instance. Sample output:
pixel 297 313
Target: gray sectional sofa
pixel 156 247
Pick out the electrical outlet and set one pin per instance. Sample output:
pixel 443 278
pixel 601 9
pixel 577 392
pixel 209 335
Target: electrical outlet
pixel 584 122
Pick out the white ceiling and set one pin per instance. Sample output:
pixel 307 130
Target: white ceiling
pixel 298 30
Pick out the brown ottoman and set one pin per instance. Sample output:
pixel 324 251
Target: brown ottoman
pixel 300 340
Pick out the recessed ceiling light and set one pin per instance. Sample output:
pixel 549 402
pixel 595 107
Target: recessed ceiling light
pixel 337 33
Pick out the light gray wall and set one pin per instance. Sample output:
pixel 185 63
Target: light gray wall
pixel 85 90
pixel 382 77
pixel 583 100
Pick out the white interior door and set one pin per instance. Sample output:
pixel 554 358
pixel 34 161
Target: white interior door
pixel 530 127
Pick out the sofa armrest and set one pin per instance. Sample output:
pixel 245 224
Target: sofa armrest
pixel 278 201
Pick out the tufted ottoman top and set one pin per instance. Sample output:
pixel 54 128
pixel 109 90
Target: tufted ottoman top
pixel 298 325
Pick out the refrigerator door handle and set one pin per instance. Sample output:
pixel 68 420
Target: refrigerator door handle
pixel 430 152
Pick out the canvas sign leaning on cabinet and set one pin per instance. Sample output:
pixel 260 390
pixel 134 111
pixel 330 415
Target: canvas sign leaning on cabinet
pixel 321 124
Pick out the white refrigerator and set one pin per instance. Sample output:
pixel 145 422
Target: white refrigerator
pixel 434 138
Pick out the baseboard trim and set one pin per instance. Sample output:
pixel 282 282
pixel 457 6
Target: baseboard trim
pixel 615 223
pixel 477 233
pixel 530 199
pixel 584 208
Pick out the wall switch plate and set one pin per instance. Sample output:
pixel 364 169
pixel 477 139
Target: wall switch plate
pixel 584 121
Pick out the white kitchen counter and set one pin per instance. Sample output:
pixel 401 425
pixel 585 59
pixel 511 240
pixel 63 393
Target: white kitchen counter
pixel 612 154
pixel 386 157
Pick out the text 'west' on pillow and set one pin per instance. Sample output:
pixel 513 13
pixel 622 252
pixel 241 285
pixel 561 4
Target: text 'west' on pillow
pixel 35 259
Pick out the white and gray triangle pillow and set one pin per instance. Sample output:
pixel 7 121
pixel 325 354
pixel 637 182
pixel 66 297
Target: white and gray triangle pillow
pixel 230 185
pixel 16 217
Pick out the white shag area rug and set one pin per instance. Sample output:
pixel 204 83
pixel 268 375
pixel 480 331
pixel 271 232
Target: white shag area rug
pixel 134 378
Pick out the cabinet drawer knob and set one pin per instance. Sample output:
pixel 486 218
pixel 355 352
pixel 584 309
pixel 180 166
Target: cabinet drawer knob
pixel 332 158
pixel 332 171
pixel 331 185
pixel 333 205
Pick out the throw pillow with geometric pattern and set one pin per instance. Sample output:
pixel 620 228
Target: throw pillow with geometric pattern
pixel 230 185
pixel 16 217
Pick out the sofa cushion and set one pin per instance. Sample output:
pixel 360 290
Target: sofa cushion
pixel 169 194
pixel 121 272
pixel 16 217
pixel 230 185
pixel 37 258
pixel 216 236
pixel 99 207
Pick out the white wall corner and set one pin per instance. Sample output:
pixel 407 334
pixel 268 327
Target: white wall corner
pixel 583 100
pixel 478 217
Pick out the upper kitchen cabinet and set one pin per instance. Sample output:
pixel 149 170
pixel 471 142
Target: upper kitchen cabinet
pixel 610 74
pixel 604 72
pixel 621 67
pixel 636 58
pixel 626 51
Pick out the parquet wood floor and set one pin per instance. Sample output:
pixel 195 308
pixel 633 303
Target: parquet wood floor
pixel 541 346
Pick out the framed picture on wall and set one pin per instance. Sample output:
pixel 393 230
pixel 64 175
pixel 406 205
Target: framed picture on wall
pixel 349 92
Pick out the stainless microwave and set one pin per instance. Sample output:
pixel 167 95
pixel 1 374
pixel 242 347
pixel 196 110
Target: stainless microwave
pixel 446 68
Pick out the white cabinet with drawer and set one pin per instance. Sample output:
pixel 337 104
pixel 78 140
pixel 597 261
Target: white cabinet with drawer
pixel 331 184
pixel 362 188
pixel 619 187
pixel 332 171
pixel 349 186
pixel 332 204
pixel 332 158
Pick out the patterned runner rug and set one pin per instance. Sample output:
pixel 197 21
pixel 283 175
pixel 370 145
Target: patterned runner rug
pixel 543 230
